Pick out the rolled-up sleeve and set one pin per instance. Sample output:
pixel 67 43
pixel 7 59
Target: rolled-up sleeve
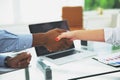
pixel 112 36
pixel 12 42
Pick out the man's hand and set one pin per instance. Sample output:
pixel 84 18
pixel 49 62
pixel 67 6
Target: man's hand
pixel 53 45
pixel 19 61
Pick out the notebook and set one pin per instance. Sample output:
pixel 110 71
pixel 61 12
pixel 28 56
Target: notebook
pixel 59 57
pixel 110 59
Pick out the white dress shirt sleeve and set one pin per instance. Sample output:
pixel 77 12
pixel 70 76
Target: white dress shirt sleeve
pixel 112 35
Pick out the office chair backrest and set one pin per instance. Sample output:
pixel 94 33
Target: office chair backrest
pixel 74 16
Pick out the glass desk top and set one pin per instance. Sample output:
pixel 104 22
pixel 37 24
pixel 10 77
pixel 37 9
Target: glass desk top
pixel 75 69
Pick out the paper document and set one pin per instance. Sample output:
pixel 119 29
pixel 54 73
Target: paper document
pixel 111 59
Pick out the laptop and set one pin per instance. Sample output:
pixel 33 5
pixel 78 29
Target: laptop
pixel 59 57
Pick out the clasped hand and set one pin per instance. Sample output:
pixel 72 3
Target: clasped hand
pixel 53 45
pixel 21 60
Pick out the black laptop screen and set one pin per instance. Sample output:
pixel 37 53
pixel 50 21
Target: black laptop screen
pixel 44 27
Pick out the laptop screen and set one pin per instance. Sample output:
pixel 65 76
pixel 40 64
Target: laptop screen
pixel 44 27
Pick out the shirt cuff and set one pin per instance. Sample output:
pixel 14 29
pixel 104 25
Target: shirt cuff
pixel 2 58
pixel 107 34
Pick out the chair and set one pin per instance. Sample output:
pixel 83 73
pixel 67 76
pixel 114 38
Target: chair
pixel 74 16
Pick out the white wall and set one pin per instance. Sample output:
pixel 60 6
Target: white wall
pixel 6 12
pixel 44 10
pixel 33 11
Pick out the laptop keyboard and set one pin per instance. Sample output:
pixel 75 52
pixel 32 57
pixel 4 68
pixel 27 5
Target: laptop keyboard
pixel 63 54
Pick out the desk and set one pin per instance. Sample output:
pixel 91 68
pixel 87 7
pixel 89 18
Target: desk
pixel 79 68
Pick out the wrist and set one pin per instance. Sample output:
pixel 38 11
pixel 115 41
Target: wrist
pixel 39 39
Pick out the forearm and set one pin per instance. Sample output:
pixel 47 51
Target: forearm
pixel 12 42
pixel 91 35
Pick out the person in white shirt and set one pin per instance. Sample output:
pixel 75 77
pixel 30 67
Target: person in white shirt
pixel 108 35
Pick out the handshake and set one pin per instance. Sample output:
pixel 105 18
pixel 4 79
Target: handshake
pixel 50 40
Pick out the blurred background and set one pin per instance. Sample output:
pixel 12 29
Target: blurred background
pixel 16 12
pixel 94 4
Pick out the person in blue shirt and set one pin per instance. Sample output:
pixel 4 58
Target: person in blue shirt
pixel 17 42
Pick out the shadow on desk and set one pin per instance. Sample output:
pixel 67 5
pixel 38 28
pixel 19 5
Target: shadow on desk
pixel 4 70
pixel 8 70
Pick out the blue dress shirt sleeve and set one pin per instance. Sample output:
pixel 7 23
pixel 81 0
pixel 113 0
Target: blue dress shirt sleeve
pixel 12 42
pixel 2 58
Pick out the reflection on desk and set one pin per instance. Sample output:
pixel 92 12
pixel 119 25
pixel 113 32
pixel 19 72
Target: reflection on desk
pixel 6 70
pixel 79 68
